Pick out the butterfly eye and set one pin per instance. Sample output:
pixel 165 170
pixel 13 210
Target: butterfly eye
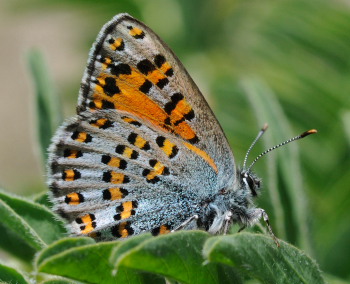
pixel 252 184
pixel 258 184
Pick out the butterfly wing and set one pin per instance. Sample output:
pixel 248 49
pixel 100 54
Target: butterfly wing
pixel 145 148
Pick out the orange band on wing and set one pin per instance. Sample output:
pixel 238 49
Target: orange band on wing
pixel 128 92
pixel 182 108
pixel 203 154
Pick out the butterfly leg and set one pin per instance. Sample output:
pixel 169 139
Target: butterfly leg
pixel 264 215
pixel 228 217
pixel 184 224
pixel 242 228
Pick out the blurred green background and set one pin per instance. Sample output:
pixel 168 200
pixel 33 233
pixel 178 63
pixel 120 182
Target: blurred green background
pixel 286 63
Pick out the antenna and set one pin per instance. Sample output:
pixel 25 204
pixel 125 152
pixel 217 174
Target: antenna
pixel 302 135
pixel 261 132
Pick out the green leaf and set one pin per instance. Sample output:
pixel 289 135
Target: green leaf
pixel 17 237
pixel 43 199
pixel 83 260
pixel 127 275
pixel 10 275
pixel 61 246
pixel 177 256
pixel 88 263
pixel 127 245
pixel 49 113
pixel 59 281
pixel 42 221
pixel 258 256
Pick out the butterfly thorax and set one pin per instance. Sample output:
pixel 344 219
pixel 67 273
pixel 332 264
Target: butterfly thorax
pixel 232 205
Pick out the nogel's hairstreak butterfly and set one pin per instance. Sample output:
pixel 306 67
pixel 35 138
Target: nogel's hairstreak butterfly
pixel 145 152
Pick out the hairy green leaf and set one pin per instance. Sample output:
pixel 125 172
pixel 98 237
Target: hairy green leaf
pixel 61 246
pixel 127 275
pixel 87 263
pixel 59 281
pixel 42 221
pixel 43 199
pixel 176 256
pixel 17 236
pixel 10 275
pixel 258 256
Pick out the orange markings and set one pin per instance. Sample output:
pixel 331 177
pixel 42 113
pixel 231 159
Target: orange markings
pixel 114 162
pixel 135 32
pixel 123 231
pixel 158 168
pixel 140 142
pixel 73 154
pixel 184 130
pixel 74 198
pixel 81 137
pixel 155 76
pixel 100 122
pixel 98 103
pixel 87 220
pixel 101 82
pixel 69 175
pixel 202 154
pixel 129 120
pixel 153 174
pixel 127 207
pixel 131 82
pixel 182 107
pixel 128 152
pixel 106 62
pixel 131 99
pixel 116 193
pixel 168 147
pixel 116 44
pixel 164 229
pixel 117 177
pixel 88 229
pixel 165 67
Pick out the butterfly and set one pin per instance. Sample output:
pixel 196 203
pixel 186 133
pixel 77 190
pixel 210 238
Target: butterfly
pixel 145 152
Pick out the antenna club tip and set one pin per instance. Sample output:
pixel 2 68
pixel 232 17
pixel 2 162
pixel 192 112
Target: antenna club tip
pixel 265 127
pixel 309 132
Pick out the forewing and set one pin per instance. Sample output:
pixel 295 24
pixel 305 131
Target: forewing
pixel 131 70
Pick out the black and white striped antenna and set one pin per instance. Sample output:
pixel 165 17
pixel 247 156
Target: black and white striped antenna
pixel 261 132
pixel 302 135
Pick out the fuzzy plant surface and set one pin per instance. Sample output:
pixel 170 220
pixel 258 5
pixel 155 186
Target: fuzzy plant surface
pixel 36 237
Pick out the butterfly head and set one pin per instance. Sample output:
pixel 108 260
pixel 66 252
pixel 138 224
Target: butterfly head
pixel 250 182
